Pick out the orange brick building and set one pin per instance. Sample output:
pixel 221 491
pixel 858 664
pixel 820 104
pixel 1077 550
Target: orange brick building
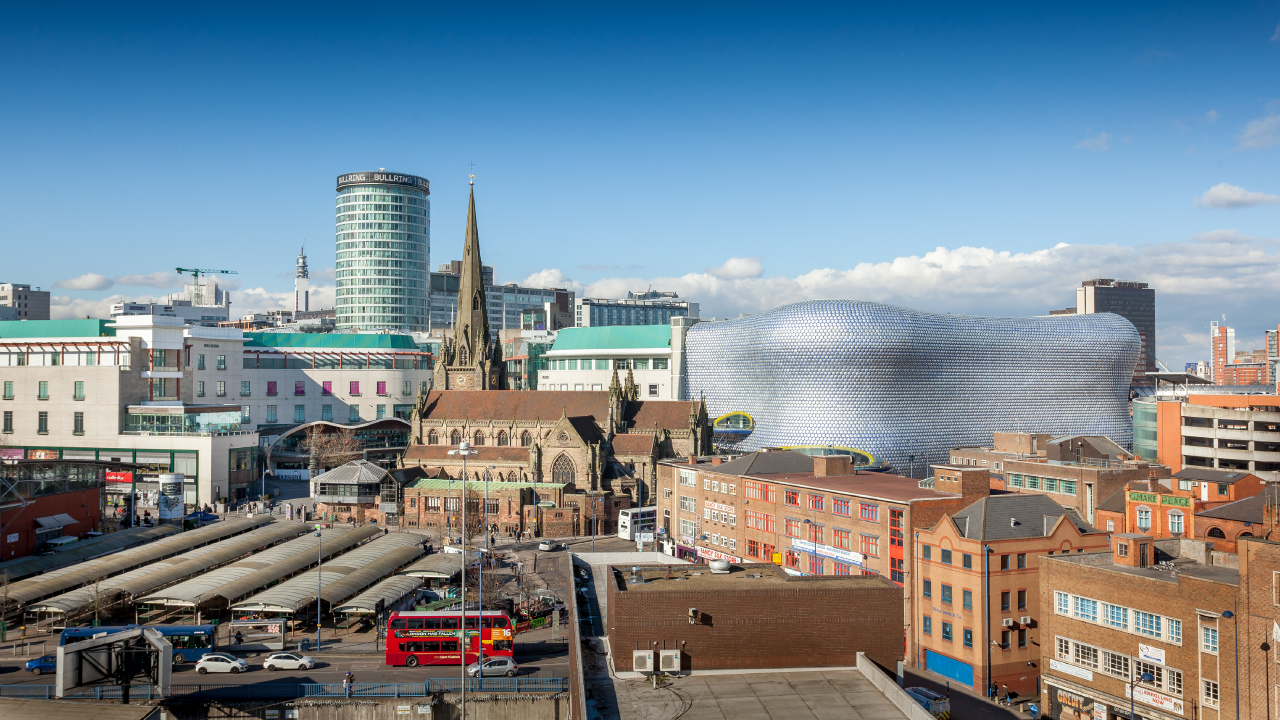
pixel 1222 432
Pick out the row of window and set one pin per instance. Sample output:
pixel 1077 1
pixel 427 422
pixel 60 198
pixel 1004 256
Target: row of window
pixel 945 556
pixel 1006 636
pixel 717 516
pixel 605 364
pixel 1165 679
pixel 300 413
pixel 299 388
pixel 60 358
pixel 502 439
pixel 1176 524
pixel 1118 617
pixel 1047 484
pixel 717 486
pixel 42 422
pixel 42 390
pixel 814 501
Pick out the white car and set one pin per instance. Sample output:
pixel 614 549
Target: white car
pixel 547 545
pixel 221 662
pixel 288 661
pixel 495 666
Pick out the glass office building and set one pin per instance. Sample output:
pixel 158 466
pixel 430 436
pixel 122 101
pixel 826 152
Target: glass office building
pixel 383 251
pixel 897 384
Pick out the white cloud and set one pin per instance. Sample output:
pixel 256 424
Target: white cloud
pixel 1100 142
pixel 65 307
pixel 261 300
pixel 1224 195
pixel 161 280
pixel 1276 36
pixel 324 274
pixel 88 281
pixel 1211 117
pixel 1262 133
pixel 552 278
pixel 735 268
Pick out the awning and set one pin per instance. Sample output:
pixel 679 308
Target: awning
pixel 53 522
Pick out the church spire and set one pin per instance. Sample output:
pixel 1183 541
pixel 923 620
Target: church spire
pixel 472 324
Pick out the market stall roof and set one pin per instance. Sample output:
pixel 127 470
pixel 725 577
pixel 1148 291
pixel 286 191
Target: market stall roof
pixel 84 550
pixel 438 566
pixel 25 592
pixel 170 570
pixel 256 572
pixel 390 591
pixel 53 522
pixel 341 577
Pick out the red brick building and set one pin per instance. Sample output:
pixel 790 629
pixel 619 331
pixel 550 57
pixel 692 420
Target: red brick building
pixel 41 500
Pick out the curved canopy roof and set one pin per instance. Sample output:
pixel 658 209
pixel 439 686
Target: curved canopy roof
pixel 441 565
pixel 389 591
pixel 84 550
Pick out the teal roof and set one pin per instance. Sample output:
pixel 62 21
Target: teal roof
pixel 329 341
pixel 616 337
pixel 476 485
pixel 14 329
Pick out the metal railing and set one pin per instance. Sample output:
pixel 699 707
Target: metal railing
pixel 23 648
pixel 300 690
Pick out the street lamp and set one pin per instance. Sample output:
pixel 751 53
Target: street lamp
pixel 814 552
pixel 319 570
pixel 1133 681
pixel 1235 631
pixel 464 449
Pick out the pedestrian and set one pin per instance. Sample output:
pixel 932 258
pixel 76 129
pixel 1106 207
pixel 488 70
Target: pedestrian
pixel 239 638
pixel 1006 693
pixel 993 690
pixel 347 682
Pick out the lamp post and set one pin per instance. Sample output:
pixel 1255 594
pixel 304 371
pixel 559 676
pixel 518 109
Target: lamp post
pixel 813 560
pixel 1133 681
pixel 1235 632
pixel 464 449
pixel 319 570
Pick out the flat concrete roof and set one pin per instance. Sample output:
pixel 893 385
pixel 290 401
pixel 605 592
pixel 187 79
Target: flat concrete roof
pixel 740 577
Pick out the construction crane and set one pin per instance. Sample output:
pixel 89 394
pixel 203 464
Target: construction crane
pixel 195 278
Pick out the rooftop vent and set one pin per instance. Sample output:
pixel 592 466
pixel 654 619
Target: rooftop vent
pixel 719 567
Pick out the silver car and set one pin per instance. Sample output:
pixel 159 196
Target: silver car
pixel 494 666
pixel 221 662
pixel 288 661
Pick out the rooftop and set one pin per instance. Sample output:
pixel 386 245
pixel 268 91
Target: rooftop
pixel 740 577
pixel 478 486
pixel 1211 475
pixel 1169 567
pixel 329 341
pixel 1247 510
pixel 22 329
pixel 620 337
pixel 1014 516
pixel 361 472
pixel 793 468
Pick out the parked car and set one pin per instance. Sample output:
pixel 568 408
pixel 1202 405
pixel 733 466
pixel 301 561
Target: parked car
pixel 221 662
pixel 494 666
pixel 48 663
pixel 547 545
pixel 288 661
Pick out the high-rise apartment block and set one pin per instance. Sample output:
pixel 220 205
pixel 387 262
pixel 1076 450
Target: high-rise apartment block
pixel 1133 301
pixel 1229 366
pixel 383 251
pixel 27 304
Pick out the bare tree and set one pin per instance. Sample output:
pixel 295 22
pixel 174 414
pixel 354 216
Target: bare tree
pixel 100 601
pixel 330 449
pixel 4 603
pixel 477 521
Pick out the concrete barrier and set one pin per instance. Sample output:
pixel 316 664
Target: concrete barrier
pixel 889 686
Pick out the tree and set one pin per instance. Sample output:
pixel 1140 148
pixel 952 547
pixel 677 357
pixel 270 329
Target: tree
pixel 330 449
pixel 99 600
pixel 4 604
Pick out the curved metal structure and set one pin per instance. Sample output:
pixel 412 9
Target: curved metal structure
pixel 906 386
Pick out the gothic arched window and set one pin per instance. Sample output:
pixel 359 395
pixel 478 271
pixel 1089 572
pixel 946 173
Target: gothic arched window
pixel 463 357
pixel 511 476
pixel 475 301
pixel 455 437
pixel 433 438
pixel 562 470
pixel 478 438
pixel 525 440
pixel 503 440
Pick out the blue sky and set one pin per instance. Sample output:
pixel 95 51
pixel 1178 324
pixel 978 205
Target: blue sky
pixel 934 156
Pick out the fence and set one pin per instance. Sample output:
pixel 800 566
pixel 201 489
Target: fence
pixel 266 691
pixel 24 648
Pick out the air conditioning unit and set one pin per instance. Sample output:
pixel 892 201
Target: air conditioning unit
pixel 642 661
pixel 670 661
pixel 1007 622
pixel 1024 620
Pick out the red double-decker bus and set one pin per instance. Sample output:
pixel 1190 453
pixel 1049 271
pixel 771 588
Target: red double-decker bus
pixel 417 637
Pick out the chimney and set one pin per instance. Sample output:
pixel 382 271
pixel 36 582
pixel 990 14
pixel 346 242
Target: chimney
pixel 716 460
pixel 693 459
pixel 967 482
pixel 830 465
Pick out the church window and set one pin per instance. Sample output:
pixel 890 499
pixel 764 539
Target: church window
pixel 479 438
pixel 463 357
pixel 433 438
pixel 455 437
pixel 564 437
pixel 503 440
pixel 562 470
pixel 475 301
pixel 511 476
pixel 525 440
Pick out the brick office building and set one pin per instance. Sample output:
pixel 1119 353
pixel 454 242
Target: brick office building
pixel 755 616
pixel 967 603
pixel 1258 613
pixel 1227 525
pixel 1147 606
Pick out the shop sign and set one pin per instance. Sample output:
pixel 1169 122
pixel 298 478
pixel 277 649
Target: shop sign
pixel 1079 703
pixel 1150 653
pixel 718 506
pixel 120 477
pixel 43 454
pixel 1175 500
pixel 1099 711
pixel 1144 497
pixel 710 554
pixel 11 453
pixel 834 553
pixel 1082 673
pixel 1155 699
pixel 11 538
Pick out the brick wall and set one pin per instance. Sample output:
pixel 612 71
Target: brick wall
pixel 773 627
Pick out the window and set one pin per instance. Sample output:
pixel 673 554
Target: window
pixel 1111 526
pixel 1155 671
pixel 686 504
pixel 926 552
pixel 406 387
pixel 817 533
pixel 968 637
pixel 753 548
pixel 271 388
pixel 966 561
pixel 222 388
pixel 869 545
pixel 792 528
pixel 381 412
pixel 8 421
pixel 927 588
pixel 897 570
pixel 926 625
pixel 1117 665
pixel 946 594
pixel 839 568
pixel 381 387
pixel 222 362
pixel 653 391
pixel 966 599
pixel 840 506
pixel 355 388
pixel 199 362
pixel 687 477
pixel 1022 637
pixel 1022 599
pixel 815 503
pixel 869 512
pixel 815 565
pixel 1022 561
pixel 1144 518
pixel 1115 616
pixel 793 559
pixel 1086 609
pixel 1085 655
pixel 271 414
pixel 77 392
pixel 1222 488
pixel 688 528
pixel 1174 634
pixel 8 389
pixel 78 428
pixel 1209 639
pixel 42 391
pixel 1146 623
pixel 1122 549
pixel 1004 601
pixel 42 425
pixel 1064 649
pixel 840 538
pixel 1004 562
pixel 1210 693
pixel 300 387
pixel 244 414
pixel 1175 522
pixel 244 388
pixel 946 631
pixel 326 413
pixel 299 413
pixel 1005 637
pixel 946 556
pixel 353 413
pixel 792 498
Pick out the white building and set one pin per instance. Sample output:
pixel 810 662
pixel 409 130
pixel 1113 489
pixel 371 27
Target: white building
pixel 645 308
pixel 27 304
pixel 586 358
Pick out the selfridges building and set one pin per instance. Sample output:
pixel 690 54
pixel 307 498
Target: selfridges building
pixel 899 387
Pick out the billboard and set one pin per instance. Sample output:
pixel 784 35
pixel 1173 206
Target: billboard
pixel 171 508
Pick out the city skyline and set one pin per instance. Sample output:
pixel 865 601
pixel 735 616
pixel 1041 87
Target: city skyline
pixel 901 152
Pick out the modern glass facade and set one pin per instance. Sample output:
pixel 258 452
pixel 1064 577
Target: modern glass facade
pixel 1145 444
pixel 383 251
pixel 895 383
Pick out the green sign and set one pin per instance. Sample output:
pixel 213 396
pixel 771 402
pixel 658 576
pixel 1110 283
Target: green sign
pixel 1175 500
pixel 1143 497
